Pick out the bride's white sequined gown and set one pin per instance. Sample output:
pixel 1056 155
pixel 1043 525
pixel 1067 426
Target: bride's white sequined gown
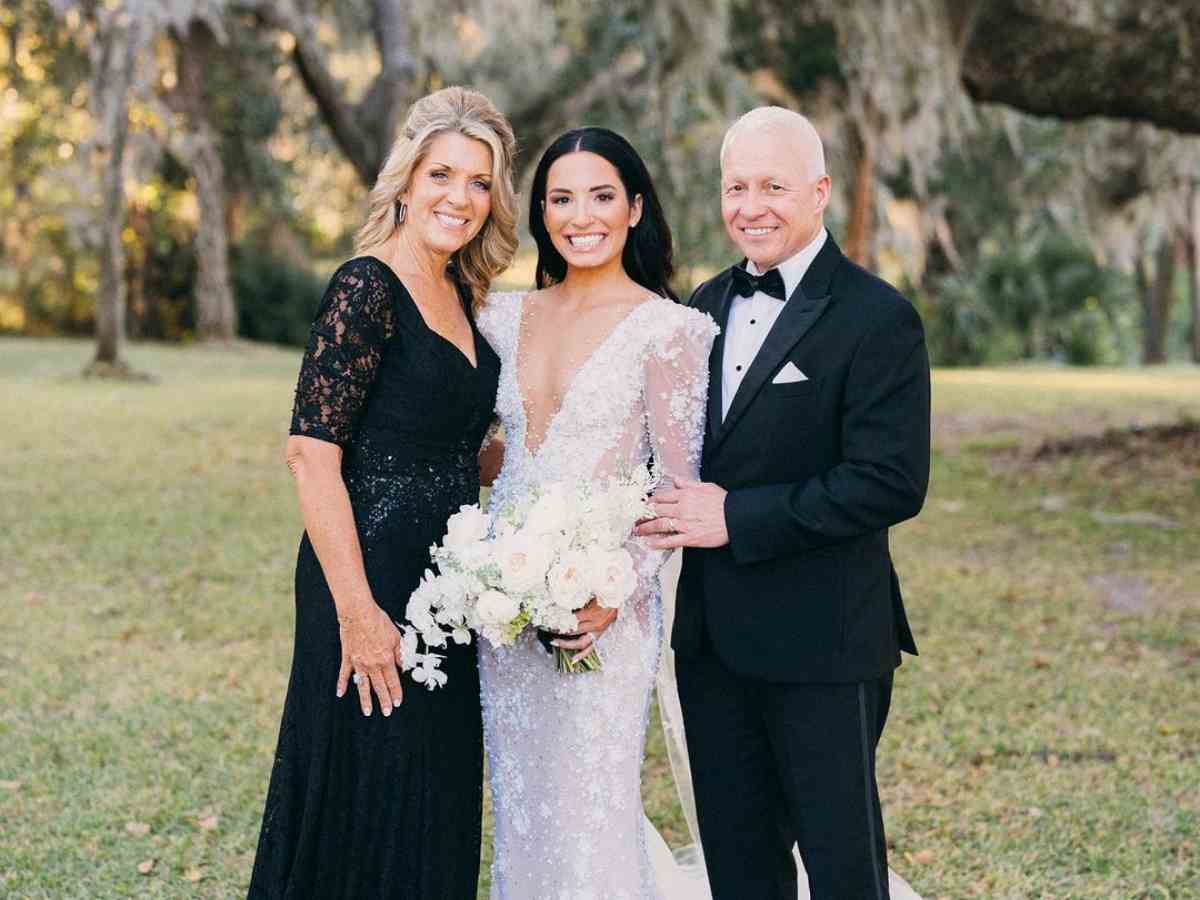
pixel 565 751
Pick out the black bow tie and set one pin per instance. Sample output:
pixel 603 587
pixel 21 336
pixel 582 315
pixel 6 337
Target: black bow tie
pixel 769 282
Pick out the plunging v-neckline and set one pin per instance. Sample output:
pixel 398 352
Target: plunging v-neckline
pixel 473 363
pixel 570 383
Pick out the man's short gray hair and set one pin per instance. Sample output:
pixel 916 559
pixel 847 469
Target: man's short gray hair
pixel 778 118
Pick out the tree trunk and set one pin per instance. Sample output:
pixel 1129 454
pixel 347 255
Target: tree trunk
pixel 1193 262
pixel 110 305
pixel 119 41
pixel 216 315
pixel 1156 299
pixel 360 138
pixel 860 231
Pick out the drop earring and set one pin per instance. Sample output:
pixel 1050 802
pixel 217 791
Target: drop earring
pixel 401 212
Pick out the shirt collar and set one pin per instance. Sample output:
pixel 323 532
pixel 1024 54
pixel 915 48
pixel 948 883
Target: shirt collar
pixel 794 268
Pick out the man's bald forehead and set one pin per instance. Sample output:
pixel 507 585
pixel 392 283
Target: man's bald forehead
pixel 783 124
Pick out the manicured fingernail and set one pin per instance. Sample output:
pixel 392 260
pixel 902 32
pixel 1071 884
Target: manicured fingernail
pixel 556 643
pixel 341 691
pixel 366 712
pixel 396 703
pixel 385 709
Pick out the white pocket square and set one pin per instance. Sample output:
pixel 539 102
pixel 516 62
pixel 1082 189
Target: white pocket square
pixel 789 374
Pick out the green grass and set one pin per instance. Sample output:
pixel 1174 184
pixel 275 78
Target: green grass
pixel 1045 744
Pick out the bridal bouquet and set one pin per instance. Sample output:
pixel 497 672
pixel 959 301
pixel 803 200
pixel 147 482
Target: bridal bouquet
pixel 533 565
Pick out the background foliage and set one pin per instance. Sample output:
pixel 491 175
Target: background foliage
pixel 1024 169
pixel 1019 237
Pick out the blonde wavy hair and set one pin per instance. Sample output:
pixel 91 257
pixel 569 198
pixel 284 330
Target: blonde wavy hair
pixel 473 115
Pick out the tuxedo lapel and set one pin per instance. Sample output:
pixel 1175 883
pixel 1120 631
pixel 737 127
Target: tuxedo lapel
pixel 808 301
pixel 720 313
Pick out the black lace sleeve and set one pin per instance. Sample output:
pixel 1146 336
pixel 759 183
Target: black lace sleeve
pixel 344 349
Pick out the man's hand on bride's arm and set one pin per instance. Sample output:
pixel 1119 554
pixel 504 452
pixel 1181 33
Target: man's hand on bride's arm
pixel 593 620
pixel 692 514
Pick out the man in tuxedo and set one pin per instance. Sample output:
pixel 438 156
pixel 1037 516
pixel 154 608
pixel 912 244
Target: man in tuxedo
pixel 789 621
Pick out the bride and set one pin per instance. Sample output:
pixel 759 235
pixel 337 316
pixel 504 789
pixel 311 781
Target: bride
pixel 602 370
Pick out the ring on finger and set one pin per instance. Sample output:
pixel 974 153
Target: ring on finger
pixel 672 526
pixel 358 679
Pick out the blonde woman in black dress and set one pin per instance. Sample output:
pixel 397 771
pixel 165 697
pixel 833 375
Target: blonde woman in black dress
pixel 376 788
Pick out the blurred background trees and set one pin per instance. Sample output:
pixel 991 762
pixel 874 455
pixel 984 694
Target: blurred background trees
pixel 1024 169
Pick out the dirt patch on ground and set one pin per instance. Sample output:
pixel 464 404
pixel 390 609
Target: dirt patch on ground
pixel 1168 450
pixel 1178 441
pixel 1026 432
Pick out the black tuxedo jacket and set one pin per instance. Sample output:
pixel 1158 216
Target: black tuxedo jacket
pixel 816 472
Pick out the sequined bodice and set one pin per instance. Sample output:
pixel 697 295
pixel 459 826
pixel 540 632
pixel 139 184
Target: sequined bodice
pixel 565 751
pixel 645 381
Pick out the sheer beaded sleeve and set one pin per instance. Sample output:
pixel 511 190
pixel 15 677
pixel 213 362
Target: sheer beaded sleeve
pixel 676 373
pixel 499 319
pixel 345 346
pixel 676 395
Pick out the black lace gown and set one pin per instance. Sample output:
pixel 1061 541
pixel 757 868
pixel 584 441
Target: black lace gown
pixel 380 808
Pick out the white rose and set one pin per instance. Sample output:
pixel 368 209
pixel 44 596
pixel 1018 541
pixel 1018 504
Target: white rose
pixel 608 521
pixel 470 557
pixel 549 514
pixel 614 578
pixel 568 581
pixel 467 526
pixel 556 619
pixel 496 608
pixel 523 561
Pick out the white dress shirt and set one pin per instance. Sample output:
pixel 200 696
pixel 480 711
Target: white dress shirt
pixel 751 318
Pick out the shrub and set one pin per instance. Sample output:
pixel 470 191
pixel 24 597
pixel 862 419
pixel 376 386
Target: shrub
pixel 276 299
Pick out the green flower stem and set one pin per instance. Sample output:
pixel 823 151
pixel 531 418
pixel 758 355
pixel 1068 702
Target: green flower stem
pixel 590 663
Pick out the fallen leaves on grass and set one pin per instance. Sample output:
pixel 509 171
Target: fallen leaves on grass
pixel 1141 518
pixel 209 823
pixel 137 828
pixel 145 867
pixel 193 874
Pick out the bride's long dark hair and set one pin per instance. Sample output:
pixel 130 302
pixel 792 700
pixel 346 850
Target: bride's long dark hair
pixel 648 254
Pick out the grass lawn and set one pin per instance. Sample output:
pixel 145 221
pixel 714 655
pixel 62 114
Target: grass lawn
pixel 1045 744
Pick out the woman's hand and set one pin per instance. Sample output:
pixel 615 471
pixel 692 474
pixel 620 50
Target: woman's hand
pixel 593 621
pixel 371 651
